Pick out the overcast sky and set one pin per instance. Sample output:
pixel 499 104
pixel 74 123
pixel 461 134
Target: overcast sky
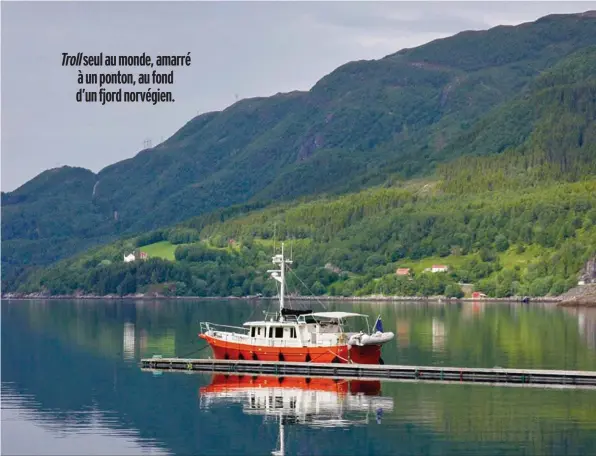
pixel 238 49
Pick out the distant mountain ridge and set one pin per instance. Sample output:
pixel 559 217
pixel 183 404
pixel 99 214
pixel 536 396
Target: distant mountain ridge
pixel 363 124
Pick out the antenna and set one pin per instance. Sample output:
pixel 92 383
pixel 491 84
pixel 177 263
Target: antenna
pixel 280 276
pixel 274 235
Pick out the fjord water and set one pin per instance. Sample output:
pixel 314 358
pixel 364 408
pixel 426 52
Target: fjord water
pixel 71 383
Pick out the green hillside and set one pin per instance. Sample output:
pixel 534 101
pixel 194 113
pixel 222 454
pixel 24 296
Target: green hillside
pixel 504 242
pixel 366 124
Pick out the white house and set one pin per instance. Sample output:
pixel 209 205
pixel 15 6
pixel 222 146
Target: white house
pixel 439 268
pixel 129 258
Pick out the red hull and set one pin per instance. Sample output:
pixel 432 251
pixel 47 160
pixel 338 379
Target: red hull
pixel 222 349
pixel 223 383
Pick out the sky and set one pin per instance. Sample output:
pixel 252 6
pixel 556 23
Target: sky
pixel 238 50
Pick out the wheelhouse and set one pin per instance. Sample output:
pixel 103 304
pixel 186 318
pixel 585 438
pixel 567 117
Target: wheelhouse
pixel 302 326
pixel 342 321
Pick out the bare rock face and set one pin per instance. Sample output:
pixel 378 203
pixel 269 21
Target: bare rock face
pixel 585 293
pixel 588 272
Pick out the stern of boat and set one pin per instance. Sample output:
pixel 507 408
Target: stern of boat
pixel 366 354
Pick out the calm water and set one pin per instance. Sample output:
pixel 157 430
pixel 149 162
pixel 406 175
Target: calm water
pixel 71 384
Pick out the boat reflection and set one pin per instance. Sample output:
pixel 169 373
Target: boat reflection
pixel 314 402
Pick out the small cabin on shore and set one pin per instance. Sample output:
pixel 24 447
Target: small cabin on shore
pixel 132 257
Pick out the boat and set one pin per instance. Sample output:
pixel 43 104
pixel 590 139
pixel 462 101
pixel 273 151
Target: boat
pixel 292 335
pixel 312 402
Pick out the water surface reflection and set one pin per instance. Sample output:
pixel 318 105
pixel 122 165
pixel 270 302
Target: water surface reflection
pixel 71 384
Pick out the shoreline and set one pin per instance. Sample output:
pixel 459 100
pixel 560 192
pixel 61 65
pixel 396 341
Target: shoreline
pixel 29 296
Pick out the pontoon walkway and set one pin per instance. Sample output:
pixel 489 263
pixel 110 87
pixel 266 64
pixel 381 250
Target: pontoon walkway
pixel 378 372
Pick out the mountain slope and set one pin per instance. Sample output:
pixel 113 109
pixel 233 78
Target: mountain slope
pixel 547 134
pixel 358 126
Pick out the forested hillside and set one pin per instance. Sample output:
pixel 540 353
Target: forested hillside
pixel 506 243
pixel 503 109
pixel 559 111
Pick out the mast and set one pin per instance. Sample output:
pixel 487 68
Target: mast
pixel 283 280
pixel 280 276
pixel 282 447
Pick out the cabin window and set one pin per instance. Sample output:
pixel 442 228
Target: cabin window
pixel 252 331
pixel 259 331
pixel 279 332
pixel 293 333
pixel 271 331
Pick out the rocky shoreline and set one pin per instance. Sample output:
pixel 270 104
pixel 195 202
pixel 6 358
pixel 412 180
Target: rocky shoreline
pixel 154 296
pixel 581 296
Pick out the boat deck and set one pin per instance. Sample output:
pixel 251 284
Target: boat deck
pixel 377 372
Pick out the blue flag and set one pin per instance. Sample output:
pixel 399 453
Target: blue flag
pixel 379 325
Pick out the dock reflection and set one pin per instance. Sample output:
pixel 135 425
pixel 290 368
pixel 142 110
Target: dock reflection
pixel 310 401
pixel 314 402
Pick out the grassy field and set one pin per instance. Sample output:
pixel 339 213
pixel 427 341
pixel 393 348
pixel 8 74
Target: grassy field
pixel 451 261
pixel 163 249
pixel 511 258
pixel 508 259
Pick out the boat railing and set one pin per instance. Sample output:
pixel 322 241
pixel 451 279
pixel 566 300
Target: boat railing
pixel 206 326
pixel 270 342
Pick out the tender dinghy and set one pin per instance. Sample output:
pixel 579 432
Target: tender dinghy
pixel 370 339
pixel 379 337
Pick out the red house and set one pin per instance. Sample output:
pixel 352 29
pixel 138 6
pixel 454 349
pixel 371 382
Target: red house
pixel 403 272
